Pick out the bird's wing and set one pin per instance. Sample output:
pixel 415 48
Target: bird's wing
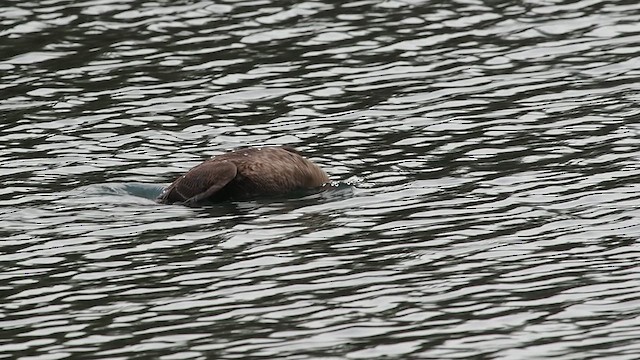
pixel 205 180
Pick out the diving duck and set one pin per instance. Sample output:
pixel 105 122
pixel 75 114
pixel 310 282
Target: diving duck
pixel 245 174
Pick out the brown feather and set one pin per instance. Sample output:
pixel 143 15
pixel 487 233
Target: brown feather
pixel 244 174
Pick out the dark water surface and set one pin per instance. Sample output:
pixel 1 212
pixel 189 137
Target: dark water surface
pixel 493 149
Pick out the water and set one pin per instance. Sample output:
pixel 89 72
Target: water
pixel 485 154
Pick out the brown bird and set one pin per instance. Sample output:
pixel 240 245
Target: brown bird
pixel 244 174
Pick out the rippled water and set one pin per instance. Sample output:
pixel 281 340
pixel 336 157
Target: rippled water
pixel 487 155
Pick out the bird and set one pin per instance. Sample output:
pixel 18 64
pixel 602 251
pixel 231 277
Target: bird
pixel 244 174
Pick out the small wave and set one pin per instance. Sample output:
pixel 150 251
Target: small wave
pixel 121 192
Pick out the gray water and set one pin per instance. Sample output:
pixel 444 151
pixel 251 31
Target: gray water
pixel 485 157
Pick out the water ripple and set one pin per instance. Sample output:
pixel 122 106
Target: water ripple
pixel 483 158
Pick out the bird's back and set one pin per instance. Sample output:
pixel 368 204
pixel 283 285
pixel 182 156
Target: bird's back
pixel 256 171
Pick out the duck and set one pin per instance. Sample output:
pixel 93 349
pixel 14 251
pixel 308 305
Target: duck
pixel 244 174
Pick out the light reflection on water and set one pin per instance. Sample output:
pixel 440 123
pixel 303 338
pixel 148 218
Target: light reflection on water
pixel 485 159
